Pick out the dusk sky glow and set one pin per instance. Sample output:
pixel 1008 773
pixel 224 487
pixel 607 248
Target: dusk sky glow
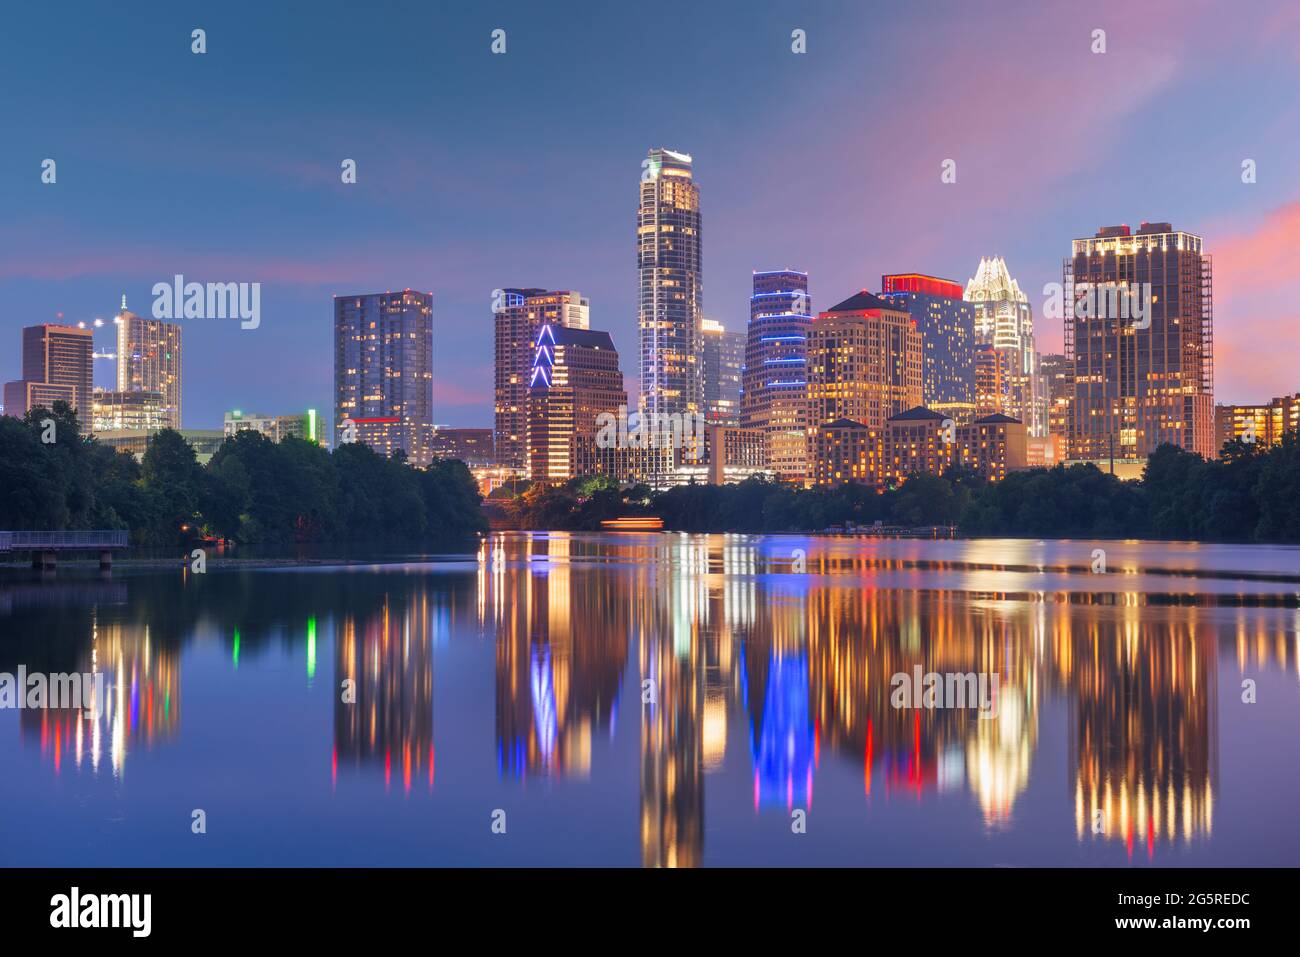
pixel 478 171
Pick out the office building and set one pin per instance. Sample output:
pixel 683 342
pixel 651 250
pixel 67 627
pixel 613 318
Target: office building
pixel 724 357
pixel 474 447
pixel 774 396
pixel 917 441
pixel 149 360
pixel 865 362
pixel 946 322
pixel 114 410
pixel 1263 424
pixel 518 317
pixel 575 379
pixel 56 366
pixel 1004 320
pixel 1140 381
pixel 671 297
pixel 383 372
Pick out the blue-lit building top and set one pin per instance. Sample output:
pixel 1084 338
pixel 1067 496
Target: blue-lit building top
pixel 774 380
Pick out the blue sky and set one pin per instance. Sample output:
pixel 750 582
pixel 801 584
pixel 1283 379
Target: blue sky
pixel 478 171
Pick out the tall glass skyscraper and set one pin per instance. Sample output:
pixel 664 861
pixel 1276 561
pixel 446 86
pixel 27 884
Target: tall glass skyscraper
pixel 1005 320
pixel 947 325
pixel 724 357
pixel 672 290
pixel 774 382
pixel 149 360
pixel 383 371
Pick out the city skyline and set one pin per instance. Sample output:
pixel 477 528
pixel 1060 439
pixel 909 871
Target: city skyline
pixel 109 226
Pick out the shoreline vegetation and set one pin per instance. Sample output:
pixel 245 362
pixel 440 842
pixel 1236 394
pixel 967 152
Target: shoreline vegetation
pixel 253 491
pixel 1249 495
pixel 295 493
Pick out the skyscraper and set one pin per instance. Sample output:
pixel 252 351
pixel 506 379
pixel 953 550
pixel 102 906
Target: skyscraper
pixel 383 372
pixel 57 365
pixel 724 357
pixel 149 360
pixel 575 378
pixel 1140 380
pixel 518 317
pixel 1004 319
pixel 864 362
pixel 947 326
pixel 774 396
pixel 668 246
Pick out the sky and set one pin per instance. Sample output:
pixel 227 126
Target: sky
pixel 478 171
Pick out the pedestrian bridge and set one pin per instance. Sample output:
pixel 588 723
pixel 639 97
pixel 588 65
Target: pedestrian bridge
pixel 44 547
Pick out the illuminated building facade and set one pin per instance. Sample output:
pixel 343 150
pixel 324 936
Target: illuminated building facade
pixel 517 319
pixel 56 364
pixel 1263 424
pixel 149 360
pixel 920 440
pixel 1139 383
pixel 1004 320
pixel 471 446
pixel 947 326
pixel 724 357
pixel 575 378
pixel 275 427
pixel 668 249
pixel 383 372
pixel 774 397
pixel 128 410
pixel 865 362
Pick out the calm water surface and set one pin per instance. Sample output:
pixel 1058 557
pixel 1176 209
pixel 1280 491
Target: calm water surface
pixel 515 684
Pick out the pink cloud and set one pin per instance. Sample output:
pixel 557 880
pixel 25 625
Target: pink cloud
pixel 1257 351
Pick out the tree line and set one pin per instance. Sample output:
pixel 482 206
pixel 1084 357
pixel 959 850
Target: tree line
pixel 1249 494
pixel 252 491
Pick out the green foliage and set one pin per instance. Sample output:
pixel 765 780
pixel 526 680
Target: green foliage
pixel 253 490
pixel 1249 494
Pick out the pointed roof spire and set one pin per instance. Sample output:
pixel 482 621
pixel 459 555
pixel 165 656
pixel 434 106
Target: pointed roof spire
pixel 124 302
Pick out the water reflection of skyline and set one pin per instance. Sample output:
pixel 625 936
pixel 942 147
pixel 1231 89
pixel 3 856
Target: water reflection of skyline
pixel 736 648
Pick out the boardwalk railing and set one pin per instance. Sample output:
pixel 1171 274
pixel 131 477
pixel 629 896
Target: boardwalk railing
pixel 62 541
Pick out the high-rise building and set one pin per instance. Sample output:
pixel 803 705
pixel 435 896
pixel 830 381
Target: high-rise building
pixel 149 360
pixel 1058 373
pixel 947 326
pixel 56 365
pixel 1140 380
pixel 668 252
pixel 1004 319
pixel 774 395
pixel 724 357
pixel 383 372
pixel 575 379
pixel 865 362
pixel 518 317
pixel 993 377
